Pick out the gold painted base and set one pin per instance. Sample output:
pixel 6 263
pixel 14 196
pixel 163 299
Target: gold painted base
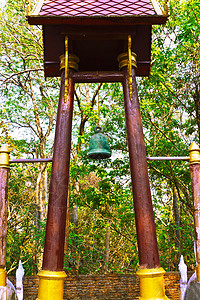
pixel 152 284
pixel 3 275
pixel 51 285
pixel 198 272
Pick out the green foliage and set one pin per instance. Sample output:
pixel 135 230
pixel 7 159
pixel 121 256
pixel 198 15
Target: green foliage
pixel 170 107
pixel 24 238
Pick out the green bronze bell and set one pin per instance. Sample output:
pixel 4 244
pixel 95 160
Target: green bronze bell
pixel 98 146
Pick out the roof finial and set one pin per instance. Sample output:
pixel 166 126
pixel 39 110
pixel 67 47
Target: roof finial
pixel 166 8
pixel 28 8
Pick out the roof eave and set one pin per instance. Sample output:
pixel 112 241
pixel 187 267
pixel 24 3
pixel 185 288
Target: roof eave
pixel 111 20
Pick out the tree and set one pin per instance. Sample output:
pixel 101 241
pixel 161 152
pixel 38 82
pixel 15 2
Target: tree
pixel 170 113
pixel 28 106
pixel 101 191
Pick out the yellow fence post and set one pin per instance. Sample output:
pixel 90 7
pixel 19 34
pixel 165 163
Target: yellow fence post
pixel 4 169
pixel 194 159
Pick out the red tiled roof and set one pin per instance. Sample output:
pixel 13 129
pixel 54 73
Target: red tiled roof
pixel 97 8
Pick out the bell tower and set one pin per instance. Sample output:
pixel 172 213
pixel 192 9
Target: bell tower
pixel 98 41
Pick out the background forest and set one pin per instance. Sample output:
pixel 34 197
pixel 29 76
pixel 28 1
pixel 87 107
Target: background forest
pixel 101 236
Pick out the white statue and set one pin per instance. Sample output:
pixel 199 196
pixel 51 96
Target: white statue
pixel 2 292
pixel 19 283
pixel 8 292
pixel 183 282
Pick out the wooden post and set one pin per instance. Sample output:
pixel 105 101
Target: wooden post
pixel 55 230
pixel 4 170
pixel 51 278
pixel 194 154
pixel 150 273
pixel 144 217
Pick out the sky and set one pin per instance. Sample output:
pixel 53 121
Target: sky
pixel 2 3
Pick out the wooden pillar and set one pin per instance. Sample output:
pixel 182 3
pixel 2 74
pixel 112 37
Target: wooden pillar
pixel 57 207
pixel 51 278
pixel 4 170
pixel 194 154
pixel 144 217
pixel 150 273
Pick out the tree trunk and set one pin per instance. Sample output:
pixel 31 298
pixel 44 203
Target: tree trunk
pixel 74 252
pixel 196 97
pixel 177 221
pixel 107 248
pixel 41 206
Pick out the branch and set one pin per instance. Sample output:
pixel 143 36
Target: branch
pixel 37 118
pixel 21 72
pixel 108 219
pixel 78 100
pixel 149 117
pixel 95 94
pixel 174 94
pixel 24 126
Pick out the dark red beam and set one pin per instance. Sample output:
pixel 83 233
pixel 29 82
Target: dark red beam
pixel 84 77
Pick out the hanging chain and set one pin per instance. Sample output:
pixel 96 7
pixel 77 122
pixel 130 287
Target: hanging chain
pixel 66 69
pixel 98 108
pixel 130 68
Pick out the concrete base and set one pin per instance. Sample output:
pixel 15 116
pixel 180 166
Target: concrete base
pixel 193 291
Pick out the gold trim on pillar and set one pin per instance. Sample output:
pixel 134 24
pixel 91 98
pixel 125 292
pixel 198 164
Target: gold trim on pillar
pixel 73 61
pixel 152 284
pixel 68 61
pixel 3 276
pixel 194 154
pixel 123 60
pixel 4 156
pixel 128 59
pixel 130 79
pixel 66 69
pixel 51 285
